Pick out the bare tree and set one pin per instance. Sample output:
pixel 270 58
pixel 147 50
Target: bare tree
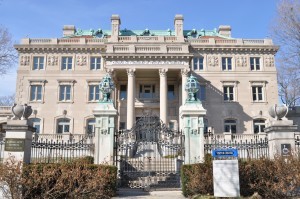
pixel 286 33
pixel 7 51
pixel 7 100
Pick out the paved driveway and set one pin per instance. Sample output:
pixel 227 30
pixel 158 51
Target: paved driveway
pixel 140 194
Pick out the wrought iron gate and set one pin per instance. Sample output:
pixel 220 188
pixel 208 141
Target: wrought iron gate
pixel 149 155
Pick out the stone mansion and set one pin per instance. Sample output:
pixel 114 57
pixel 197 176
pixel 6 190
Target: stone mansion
pixel 59 77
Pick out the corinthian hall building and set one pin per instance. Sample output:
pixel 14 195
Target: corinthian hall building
pixel 59 77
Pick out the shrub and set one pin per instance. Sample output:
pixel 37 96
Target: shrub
pixel 279 178
pixel 77 179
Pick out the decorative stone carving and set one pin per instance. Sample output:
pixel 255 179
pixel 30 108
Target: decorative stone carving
pixel 130 72
pixel 25 60
pixel 163 72
pixel 81 60
pixel 145 62
pixel 213 61
pixel 269 61
pixel 185 71
pixel 52 60
pixel 278 112
pixel 21 112
pixel 241 61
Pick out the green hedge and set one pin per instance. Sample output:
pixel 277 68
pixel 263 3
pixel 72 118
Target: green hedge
pixel 279 178
pixel 78 179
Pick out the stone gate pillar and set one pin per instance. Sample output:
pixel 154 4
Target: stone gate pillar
pixel 18 137
pixel 105 115
pixel 192 124
pixel 281 133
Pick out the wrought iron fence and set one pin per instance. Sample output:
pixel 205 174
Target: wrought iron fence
pixel 297 145
pixel 247 149
pixel 2 144
pixel 53 151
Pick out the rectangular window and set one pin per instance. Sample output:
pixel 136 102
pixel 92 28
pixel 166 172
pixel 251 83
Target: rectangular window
pixel 171 92
pixel 66 63
pixel 230 126
pixel 171 125
pixel 198 63
pixel 94 93
pixel 95 63
pixel 123 92
pixel 226 63
pixel 228 93
pixel 147 91
pixel 257 93
pixel 38 63
pixel 64 92
pixel 122 125
pixel 36 93
pixel 254 63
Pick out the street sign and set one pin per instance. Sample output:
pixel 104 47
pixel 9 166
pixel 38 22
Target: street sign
pixel 225 153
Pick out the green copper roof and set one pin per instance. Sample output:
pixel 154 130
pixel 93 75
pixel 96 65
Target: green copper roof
pixel 194 33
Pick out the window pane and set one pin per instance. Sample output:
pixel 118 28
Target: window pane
pixel 35 63
pixel 91 93
pixel 68 92
pixel 39 93
pixel 229 63
pixel 233 128
pixel 201 63
pixel 41 62
pixel 223 63
pixel 254 93
pixel 32 93
pixel 60 129
pixel 66 128
pixel 97 94
pixel 195 63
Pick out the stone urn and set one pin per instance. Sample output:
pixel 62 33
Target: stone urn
pixel 278 111
pixel 21 112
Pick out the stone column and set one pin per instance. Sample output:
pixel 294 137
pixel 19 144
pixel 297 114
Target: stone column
pixel 130 98
pixel 281 137
pixel 163 95
pixel 184 74
pixel 18 141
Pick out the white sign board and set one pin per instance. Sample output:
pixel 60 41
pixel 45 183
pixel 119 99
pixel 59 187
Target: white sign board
pixel 226 178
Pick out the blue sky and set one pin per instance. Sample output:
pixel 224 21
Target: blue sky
pixel 45 18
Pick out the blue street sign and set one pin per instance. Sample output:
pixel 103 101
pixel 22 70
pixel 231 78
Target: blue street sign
pixel 220 153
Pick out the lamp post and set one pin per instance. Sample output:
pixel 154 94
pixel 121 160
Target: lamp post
pixel 192 86
pixel 106 86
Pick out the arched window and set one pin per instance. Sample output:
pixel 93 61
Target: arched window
pixel 63 125
pixel 36 123
pixel 230 126
pixel 259 125
pixel 90 126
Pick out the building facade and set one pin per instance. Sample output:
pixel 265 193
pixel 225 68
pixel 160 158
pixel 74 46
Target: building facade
pixel 60 77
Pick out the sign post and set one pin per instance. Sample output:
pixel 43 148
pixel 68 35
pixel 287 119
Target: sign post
pixel 226 173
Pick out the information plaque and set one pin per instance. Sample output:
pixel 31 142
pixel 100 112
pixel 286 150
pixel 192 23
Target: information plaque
pixel 14 145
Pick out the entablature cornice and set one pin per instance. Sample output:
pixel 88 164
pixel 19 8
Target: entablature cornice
pixel 60 49
pixel 235 49
pixel 109 56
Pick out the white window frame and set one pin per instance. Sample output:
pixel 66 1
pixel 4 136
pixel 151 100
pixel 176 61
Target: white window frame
pixel 256 63
pixel 41 83
pixel 90 122
pixel 256 84
pixel 233 84
pixel 259 124
pixel 226 63
pixel 67 63
pixel 92 83
pixel 63 124
pixel 66 83
pixel 230 124
pixel 93 67
pixel 35 123
pixel 40 63
pixel 196 62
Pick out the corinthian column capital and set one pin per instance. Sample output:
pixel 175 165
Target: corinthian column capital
pixel 130 72
pixel 185 71
pixel 163 72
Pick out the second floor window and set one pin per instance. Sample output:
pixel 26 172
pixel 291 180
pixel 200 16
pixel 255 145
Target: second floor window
pixel 38 63
pixel 64 93
pixel 147 91
pixel 171 92
pixel 226 63
pixel 35 92
pixel 228 93
pixel 94 93
pixel 254 63
pixel 123 92
pixel 257 93
pixel 66 63
pixel 95 63
pixel 198 63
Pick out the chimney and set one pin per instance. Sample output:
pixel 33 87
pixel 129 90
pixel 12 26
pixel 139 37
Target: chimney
pixel 225 30
pixel 68 30
pixel 178 23
pixel 115 27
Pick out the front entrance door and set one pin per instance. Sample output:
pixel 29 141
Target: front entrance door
pixel 149 155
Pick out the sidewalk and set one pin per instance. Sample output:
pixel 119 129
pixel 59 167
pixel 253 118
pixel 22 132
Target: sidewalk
pixel 140 194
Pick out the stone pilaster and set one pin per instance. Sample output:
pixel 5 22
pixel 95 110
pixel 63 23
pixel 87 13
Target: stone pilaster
pixel 130 98
pixel 163 95
pixel 184 76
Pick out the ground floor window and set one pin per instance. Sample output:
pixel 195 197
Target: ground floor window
pixel 36 123
pixel 230 126
pixel 259 125
pixel 63 125
pixel 91 126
